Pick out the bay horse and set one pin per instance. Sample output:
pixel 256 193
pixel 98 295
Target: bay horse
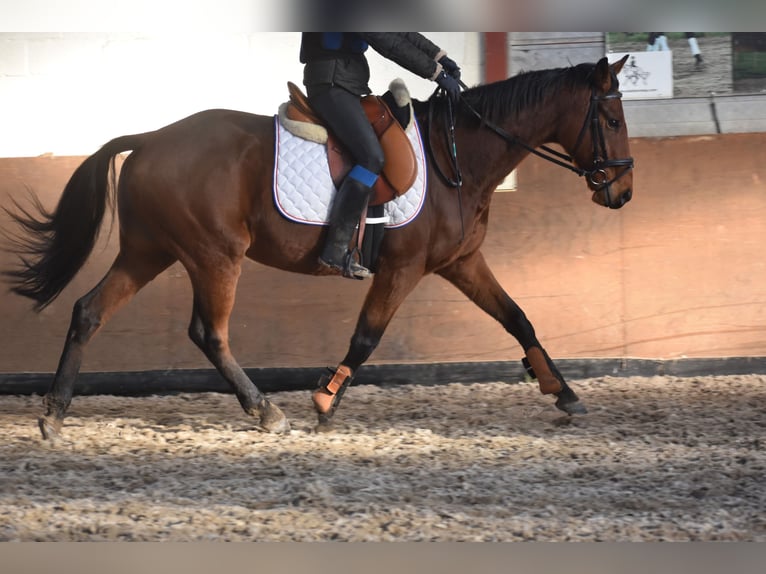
pixel 199 191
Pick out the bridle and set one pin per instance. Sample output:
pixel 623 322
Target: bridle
pixel 596 175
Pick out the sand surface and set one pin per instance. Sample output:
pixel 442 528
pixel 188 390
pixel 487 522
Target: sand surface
pixel 655 459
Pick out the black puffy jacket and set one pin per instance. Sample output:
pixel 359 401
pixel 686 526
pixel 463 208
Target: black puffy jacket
pixel 337 58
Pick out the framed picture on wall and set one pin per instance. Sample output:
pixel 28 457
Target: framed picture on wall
pixel 702 62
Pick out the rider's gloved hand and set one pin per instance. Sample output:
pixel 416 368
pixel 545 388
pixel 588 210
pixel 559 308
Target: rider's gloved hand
pixel 449 85
pixel 450 66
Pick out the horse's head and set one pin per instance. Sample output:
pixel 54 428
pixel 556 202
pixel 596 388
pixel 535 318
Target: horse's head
pixel 599 145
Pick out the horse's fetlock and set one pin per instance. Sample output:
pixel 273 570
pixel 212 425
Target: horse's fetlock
pixel 54 406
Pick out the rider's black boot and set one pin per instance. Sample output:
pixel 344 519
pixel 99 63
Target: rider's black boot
pixel 345 214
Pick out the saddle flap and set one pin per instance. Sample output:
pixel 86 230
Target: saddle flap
pixel 400 168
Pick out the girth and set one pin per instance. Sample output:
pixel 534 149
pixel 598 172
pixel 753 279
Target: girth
pixel 400 168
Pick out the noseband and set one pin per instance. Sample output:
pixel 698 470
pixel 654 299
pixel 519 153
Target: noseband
pixel 596 175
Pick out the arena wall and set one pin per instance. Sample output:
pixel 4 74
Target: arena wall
pixel 679 272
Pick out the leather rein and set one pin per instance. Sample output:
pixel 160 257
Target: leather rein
pixel 597 175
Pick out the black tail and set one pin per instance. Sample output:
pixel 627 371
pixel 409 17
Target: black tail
pixel 53 246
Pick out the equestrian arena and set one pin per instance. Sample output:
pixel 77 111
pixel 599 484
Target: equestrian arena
pixel 677 275
pixel 655 459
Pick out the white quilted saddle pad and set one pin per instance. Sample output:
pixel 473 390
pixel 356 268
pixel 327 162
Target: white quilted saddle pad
pixel 303 188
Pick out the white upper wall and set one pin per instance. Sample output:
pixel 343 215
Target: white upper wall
pixel 69 93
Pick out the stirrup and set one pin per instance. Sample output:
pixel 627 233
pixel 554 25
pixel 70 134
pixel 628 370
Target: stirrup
pixel 351 268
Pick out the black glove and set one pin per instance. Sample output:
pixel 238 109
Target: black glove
pixel 449 85
pixel 450 66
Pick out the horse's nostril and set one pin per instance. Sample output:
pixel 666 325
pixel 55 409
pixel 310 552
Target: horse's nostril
pixel 621 200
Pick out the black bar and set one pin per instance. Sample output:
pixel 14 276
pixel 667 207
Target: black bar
pixel 277 379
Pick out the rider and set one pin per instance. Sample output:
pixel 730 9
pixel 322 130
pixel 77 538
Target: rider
pixel 335 74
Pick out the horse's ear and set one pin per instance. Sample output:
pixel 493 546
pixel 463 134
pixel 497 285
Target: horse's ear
pixel 602 76
pixel 617 66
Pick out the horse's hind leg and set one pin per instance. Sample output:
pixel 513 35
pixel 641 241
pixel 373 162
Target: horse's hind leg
pixel 214 293
pixel 474 278
pixel 90 313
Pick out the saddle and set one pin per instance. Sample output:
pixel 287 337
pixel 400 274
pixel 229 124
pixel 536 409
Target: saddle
pixel 400 168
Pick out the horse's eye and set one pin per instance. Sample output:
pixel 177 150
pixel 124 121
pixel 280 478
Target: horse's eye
pixel 614 124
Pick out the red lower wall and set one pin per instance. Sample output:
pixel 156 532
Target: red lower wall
pixel 679 271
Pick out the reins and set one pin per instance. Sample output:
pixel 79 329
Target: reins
pixel 452 144
pixel 596 175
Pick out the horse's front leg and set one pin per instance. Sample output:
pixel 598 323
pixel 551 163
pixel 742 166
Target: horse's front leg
pixel 388 291
pixel 474 278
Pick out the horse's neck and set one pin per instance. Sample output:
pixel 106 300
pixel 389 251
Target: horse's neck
pixel 540 126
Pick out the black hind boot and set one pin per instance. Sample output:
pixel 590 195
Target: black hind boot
pixel 345 214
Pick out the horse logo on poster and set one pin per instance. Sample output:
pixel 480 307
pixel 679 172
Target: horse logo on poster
pixel 646 75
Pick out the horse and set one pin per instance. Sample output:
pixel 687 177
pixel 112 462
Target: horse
pixel 199 191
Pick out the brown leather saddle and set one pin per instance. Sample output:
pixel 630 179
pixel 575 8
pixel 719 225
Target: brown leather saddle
pixel 400 169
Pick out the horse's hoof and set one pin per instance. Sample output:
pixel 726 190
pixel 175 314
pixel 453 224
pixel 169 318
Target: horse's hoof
pixel 324 427
pixel 571 407
pixel 50 428
pixel 273 420
pixel 325 423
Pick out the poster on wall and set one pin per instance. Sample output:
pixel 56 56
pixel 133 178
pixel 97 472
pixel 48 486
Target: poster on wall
pixel 702 62
pixel 645 74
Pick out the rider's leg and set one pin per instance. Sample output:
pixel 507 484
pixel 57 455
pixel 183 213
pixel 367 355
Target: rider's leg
pixel 345 117
pixel 345 213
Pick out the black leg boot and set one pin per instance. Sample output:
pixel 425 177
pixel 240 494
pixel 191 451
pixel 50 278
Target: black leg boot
pixel 345 214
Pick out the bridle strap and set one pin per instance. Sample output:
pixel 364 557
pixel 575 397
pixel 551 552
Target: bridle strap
pixel 600 157
pixel 597 175
pixel 564 160
pixel 548 154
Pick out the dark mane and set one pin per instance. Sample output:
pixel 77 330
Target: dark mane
pixel 499 100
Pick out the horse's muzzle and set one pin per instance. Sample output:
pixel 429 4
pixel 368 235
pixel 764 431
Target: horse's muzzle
pixel 624 198
pixel 605 198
